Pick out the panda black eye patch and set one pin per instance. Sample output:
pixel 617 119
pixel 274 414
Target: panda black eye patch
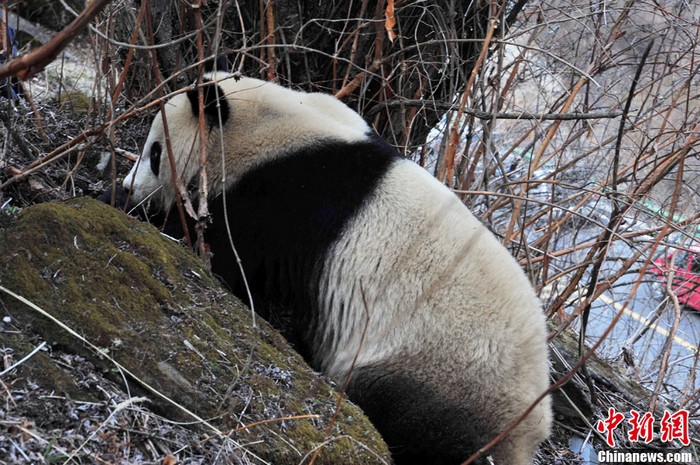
pixel 155 157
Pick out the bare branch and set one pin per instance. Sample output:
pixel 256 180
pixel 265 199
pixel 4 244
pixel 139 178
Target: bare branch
pixel 33 62
pixel 487 116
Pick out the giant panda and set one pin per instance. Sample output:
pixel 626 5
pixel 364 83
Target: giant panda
pixel 382 273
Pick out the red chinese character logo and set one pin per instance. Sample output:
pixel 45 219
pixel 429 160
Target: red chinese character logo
pixel 609 424
pixel 675 426
pixel 642 427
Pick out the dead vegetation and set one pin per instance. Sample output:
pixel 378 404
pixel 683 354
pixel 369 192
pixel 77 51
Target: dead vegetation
pixel 571 129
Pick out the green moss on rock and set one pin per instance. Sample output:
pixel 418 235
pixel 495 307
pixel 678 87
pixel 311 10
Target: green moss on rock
pixel 150 304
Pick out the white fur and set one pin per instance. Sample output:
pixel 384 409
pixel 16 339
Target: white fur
pixel 252 135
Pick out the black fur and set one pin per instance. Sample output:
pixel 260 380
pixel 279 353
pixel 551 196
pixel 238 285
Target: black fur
pixel 419 424
pixel 213 95
pixel 284 216
pixel 154 156
pixel 118 200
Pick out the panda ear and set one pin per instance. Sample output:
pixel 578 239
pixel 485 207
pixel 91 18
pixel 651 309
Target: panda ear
pixel 219 64
pixel 216 106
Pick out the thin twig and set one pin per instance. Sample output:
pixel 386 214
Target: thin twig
pixel 486 116
pixel 24 359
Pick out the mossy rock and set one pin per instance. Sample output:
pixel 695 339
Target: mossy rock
pixel 146 302
pixel 75 101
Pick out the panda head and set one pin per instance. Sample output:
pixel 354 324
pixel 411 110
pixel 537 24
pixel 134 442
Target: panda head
pixel 247 122
pixel 152 175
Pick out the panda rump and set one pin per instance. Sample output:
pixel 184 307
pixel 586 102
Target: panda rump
pixel 339 237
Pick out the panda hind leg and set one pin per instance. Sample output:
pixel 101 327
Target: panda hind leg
pixel 419 425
